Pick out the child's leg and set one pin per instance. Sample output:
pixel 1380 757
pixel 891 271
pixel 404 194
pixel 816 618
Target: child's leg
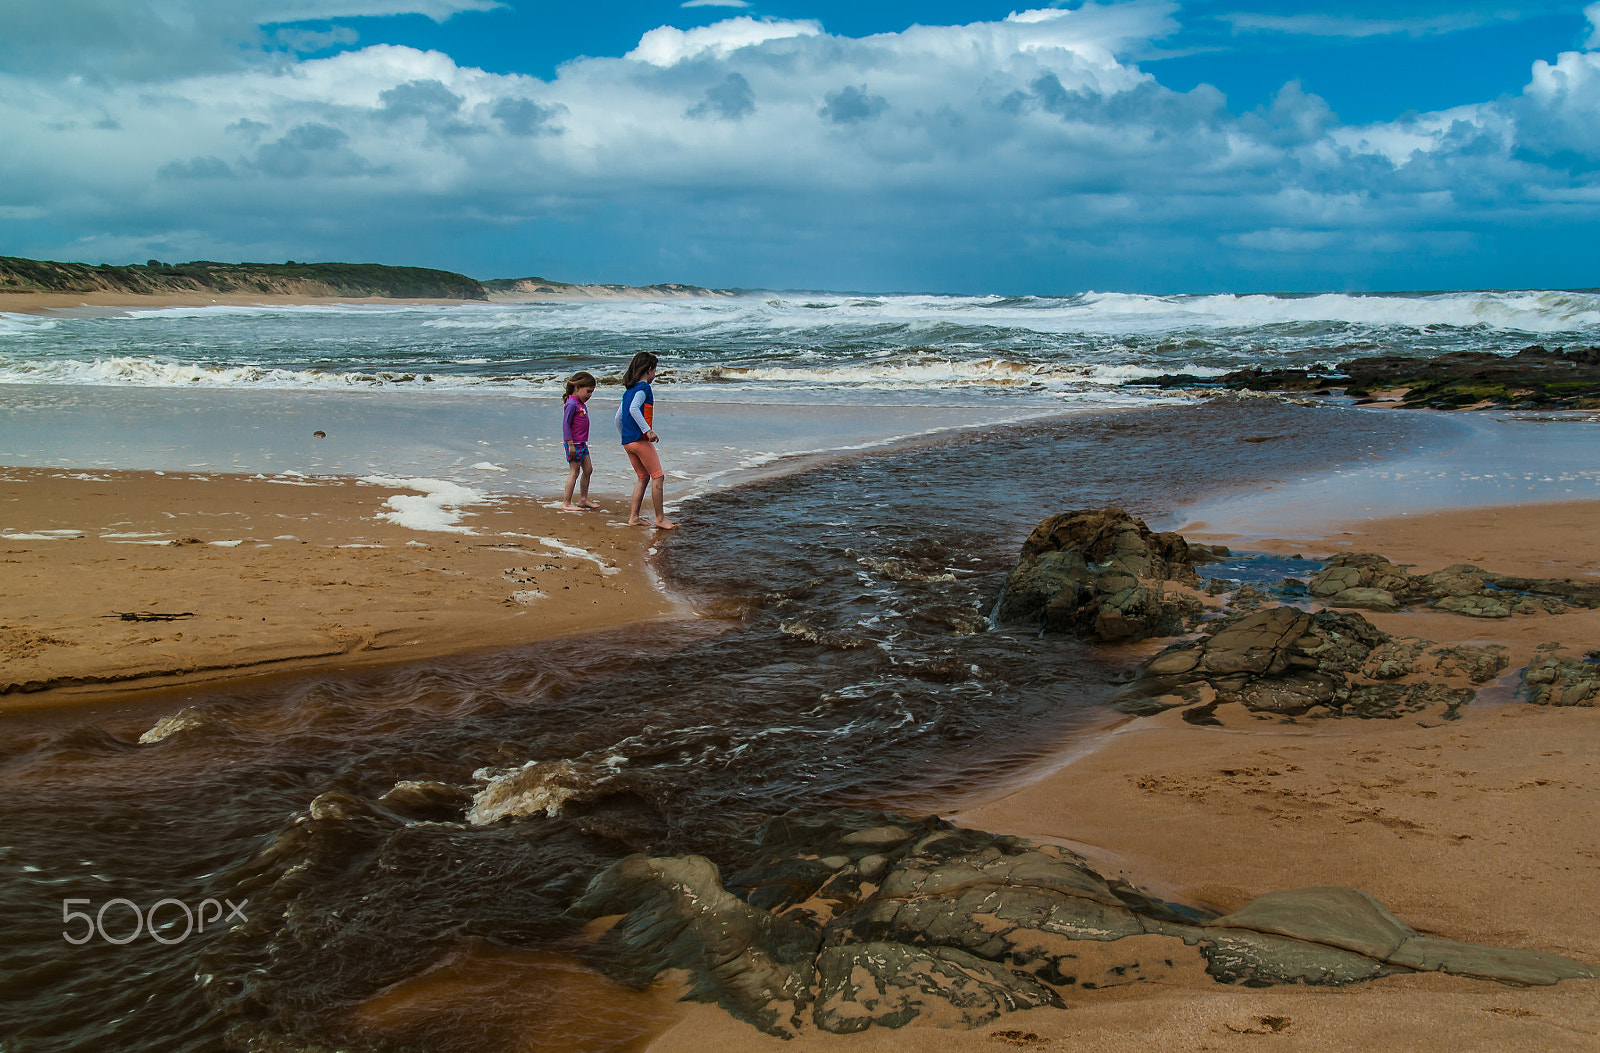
pixel 583 484
pixel 658 492
pixel 637 502
pixel 572 478
pixel 642 476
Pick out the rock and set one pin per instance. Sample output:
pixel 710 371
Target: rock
pixel 1479 664
pixel 1554 679
pixel 1505 964
pixel 1340 917
pixel 1390 701
pixel 878 835
pixel 1365 599
pixel 890 985
pixel 1284 661
pixel 428 800
pixel 1361 574
pixel 1098 573
pixel 1534 377
pixel 676 915
pixel 885 920
pixel 1394 659
pixel 1474 606
pixel 1257 959
pixel 1368 582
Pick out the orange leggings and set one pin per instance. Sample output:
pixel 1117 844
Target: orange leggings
pixel 646 465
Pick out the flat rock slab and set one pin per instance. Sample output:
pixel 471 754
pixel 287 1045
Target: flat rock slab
pixel 954 928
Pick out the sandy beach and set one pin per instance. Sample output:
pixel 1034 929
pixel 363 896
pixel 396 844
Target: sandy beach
pixel 122 581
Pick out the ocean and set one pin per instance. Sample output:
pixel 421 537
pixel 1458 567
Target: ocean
pixel 845 655
pixel 778 347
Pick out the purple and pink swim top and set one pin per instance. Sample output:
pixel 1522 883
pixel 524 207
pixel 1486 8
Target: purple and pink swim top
pixel 574 421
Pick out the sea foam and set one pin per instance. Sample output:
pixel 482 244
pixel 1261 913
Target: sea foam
pixel 438 506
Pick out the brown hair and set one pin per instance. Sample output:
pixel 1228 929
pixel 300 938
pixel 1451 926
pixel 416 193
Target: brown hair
pixel 578 380
pixel 642 363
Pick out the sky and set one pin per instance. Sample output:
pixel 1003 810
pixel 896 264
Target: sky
pixel 1156 146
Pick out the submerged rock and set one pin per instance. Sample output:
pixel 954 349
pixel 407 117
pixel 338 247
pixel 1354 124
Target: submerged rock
pixel 875 921
pixel 1098 573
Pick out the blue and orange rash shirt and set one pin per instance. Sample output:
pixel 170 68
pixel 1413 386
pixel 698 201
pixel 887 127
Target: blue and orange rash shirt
pixel 574 421
pixel 635 414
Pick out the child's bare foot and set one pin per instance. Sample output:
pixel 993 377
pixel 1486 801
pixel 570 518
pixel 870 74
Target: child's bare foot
pixel 636 521
pixel 571 508
pixel 586 503
pixel 666 524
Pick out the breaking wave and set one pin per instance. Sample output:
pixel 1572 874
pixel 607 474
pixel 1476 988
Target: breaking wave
pixel 778 346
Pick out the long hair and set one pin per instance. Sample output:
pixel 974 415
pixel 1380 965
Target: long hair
pixel 578 380
pixel 642 363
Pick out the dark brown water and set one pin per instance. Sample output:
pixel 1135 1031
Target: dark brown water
pixel 848 661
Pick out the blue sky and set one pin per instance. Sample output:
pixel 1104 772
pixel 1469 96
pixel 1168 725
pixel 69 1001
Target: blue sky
pixel 1141 145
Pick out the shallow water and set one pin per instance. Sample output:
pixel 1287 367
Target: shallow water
pixel 846 659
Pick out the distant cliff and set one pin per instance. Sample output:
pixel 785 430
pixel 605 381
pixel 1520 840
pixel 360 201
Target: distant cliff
pixel 513 289
pixel 203 276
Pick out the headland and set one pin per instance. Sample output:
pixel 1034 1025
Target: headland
pixel 32 286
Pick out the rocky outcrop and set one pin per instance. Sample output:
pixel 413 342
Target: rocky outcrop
pixel 850 920
pixel 676 915
pixel 1099 573
pixel 1555 679
pixel 1287 661
pixel 1370 582
pixel 1534 377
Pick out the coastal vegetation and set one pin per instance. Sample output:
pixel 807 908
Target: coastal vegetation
pixel 155 278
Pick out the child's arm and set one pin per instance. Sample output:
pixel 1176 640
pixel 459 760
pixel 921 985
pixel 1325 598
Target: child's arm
pixel 637 413
pixel 567 416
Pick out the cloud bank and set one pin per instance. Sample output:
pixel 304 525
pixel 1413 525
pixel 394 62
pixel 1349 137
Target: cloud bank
pixel 1028 154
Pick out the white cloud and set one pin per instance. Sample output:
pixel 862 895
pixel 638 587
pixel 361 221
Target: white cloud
pixel 668 46
pixel 753 145
pixel 1353 27
pixel 148 39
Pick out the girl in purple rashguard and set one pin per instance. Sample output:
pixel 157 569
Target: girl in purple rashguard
pixel 575 438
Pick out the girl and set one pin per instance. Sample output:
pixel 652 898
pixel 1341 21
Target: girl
pixel 634 425
pixel 575 437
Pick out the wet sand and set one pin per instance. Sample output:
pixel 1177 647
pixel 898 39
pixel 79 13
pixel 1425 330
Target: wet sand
pixel 230 575
pixel 1484 830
